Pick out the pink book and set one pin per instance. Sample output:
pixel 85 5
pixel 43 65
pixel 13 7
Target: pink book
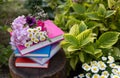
pixel 54 33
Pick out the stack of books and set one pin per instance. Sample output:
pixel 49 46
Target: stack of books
pixel 38 55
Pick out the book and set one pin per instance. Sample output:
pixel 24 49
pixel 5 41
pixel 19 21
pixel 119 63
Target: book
pixel 42 52
pixel 54 33
pixel 54 49
pixel 26 62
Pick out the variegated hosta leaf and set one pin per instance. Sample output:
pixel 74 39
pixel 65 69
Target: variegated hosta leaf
pixel 74 30
pixel 72 48
pixel 107 39
pixel 71 39
pixel 98 53
pixel 101 10
pixel 84 37
pixel 73 62
pixel 111 3
pixel 81 57
pixel 116 51
pixel 110 13
pixel 77 29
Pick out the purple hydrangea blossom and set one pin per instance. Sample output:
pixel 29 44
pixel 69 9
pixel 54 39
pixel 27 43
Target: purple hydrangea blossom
pixel 19 22
pixel 19 34
pixel 19 37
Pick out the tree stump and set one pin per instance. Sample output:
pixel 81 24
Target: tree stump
pixel 56 68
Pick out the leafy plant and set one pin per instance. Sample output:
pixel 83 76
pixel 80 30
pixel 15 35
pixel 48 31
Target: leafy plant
pixel 5 53
pixel 82 45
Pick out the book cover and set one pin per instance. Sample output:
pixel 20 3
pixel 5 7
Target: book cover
pixel 54 49
pixel 26 62
pixel 54 33
pixel 42 52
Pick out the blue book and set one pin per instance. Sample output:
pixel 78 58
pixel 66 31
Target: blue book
pixel 42 52
pixel 54 49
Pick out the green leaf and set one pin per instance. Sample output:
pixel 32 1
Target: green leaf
pixel 89 49
pixel 107 39
pixel 109 13
pixel 73 62
pixel 78 8
pixel 116 51
pixel 93 16
pixel 82 26
pixel 98 53
pixel 81 57
pixel 111 3
pixel 71 39
pixel 84 37
pixel 74 30
pixel 101 10
pixel 72 20
pixel 72 48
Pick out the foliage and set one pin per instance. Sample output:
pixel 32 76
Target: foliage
pixel 5 52
pixel 9 10
pixel 81 42
pixel 87 18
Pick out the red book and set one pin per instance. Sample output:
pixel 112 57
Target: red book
pixel 26 62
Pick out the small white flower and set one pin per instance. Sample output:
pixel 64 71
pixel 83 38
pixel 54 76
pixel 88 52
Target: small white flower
pixel 103 76
pixel 41 33
pixel 42 38
pixel 102 66
pixel 115 76
pixel 37 34
pixel 112 65
pixel 111 59
pixel 115 71
pixel 104 58
pixel 96 76
pixel 39 28
pixel 94 63
pixel 88 75
pixel 35 30
pixel 81 75
pixel 86 67
pixel 30 35
pixel 30 30
pixel 28 44
pixel 105 73
pixel 94 69
pixel 36 40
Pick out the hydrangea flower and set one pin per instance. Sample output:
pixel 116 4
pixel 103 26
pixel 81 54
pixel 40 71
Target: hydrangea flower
pixel 19 22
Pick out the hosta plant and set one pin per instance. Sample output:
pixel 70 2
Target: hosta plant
pixel 82 44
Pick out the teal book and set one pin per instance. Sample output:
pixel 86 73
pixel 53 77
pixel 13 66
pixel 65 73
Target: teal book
pixel 42 52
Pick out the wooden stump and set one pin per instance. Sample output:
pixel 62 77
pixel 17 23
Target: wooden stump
pixel 56 68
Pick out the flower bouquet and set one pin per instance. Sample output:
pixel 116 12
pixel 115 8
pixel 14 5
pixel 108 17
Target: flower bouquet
pixel 27 31
pixel 106 67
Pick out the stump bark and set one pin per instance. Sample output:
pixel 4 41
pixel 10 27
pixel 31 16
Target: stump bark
pixel 56 68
